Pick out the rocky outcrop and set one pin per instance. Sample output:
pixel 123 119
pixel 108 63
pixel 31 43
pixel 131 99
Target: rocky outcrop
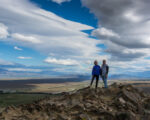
pixel 118 102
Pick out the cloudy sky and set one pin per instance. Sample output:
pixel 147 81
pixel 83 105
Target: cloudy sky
pixel 63 37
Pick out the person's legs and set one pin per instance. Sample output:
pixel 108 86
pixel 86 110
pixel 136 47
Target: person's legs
pixel 105 81
pixel 97 79
pixel 92 80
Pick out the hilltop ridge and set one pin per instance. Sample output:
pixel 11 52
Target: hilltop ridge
pixel 118 102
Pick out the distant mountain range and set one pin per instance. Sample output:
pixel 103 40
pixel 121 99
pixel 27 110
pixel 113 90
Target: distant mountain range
pixel 17 71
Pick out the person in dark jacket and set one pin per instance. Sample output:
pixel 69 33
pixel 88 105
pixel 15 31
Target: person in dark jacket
pixel 95 73
pixel 104 72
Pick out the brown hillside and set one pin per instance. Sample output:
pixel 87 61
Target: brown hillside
pixel 118 102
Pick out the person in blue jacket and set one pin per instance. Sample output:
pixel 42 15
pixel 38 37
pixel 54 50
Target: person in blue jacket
pixel 95 73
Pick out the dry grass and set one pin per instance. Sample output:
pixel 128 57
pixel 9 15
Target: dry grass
pixel 70 86
pixel 58 87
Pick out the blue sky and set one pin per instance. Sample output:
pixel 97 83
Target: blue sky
pixel 72 10
pixel 44 38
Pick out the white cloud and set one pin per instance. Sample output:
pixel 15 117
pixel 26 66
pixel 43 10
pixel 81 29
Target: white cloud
pixel 103 32
pixel 22 57
pixel 62 40
pixel 129 20
pixel 123 28
pixel 3 31
pixel 127 32
pixel 24 38
pixel 130 15
pixel 4 62
pixel 39 29
pixel 61 61
pixel 61 1
pixel 17 48
pixel 24 70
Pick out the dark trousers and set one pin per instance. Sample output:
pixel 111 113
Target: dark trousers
pixel 97 79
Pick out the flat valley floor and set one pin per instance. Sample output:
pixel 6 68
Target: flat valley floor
pixel 71 86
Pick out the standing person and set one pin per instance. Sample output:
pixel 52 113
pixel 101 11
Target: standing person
pixel 104 72
pixel 95 73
